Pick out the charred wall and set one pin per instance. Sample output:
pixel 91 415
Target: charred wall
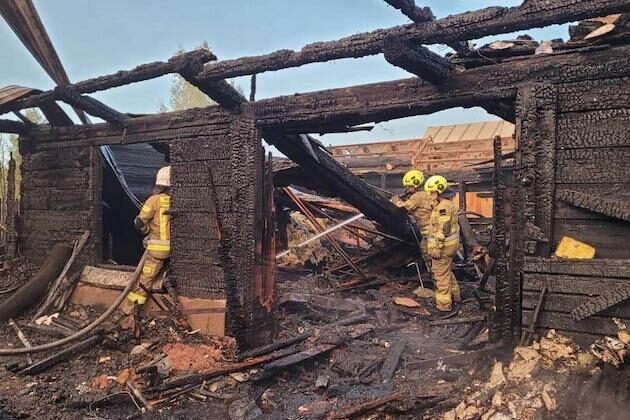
pixel 573 167
pixel 61 198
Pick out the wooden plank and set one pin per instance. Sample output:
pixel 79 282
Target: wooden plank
pixel 566 303
pixel 592 95
pixel 561 321
pixel 576 285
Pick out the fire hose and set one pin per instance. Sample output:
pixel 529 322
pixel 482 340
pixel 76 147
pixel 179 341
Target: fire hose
pixel 87 329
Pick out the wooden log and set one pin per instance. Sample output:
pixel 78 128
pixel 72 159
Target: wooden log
pixel 15 127
pixel 352 105
pixel 418 60
pixel 88 104
pixel 607 299
pixel 566 303
pixel 413 12
pixel 30 293
pixel 461 27
pixel 560 321
pixel 138 74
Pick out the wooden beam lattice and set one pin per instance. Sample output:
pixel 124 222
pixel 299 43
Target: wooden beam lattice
pixel 460 27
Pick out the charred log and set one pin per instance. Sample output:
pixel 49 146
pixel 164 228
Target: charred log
pixel 89 105
pixel 413 12
pixel 15 127
pixel 32 291
pixel 618 209
pixel 418 60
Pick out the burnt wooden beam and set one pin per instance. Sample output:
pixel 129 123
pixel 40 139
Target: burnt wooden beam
pixel 424 14
pixel 88 104
pixel 219 91
pixel 502 109
pixel 14 127
pixel 142 72
pixel 354 105
pixel 418 60
pixel 619 209
pixel 413 12
pixel 460 27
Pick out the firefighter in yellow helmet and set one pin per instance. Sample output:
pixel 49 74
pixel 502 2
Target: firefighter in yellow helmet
pixel 418 204
pixel 443 242
pixel 154 221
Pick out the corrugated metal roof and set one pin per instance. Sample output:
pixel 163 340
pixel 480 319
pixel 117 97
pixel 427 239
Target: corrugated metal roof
pixel 470 131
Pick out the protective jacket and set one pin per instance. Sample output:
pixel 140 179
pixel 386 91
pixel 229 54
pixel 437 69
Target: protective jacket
pixel 155 215
pixel 443 243
pixel 419 205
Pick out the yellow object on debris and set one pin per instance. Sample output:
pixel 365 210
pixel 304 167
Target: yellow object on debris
pixel 574 249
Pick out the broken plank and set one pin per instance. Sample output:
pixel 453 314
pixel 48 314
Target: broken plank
pixel 298 338
pixel 62 355
pixel 222 370
pixel 361 407
pixel 393 359
pixel 22 338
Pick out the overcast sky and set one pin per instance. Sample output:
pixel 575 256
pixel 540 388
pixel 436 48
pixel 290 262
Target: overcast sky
pixel 94 38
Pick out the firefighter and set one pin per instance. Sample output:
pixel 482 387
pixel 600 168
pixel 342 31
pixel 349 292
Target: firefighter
pixel 154 221
pixel 443 242
pixel 418 204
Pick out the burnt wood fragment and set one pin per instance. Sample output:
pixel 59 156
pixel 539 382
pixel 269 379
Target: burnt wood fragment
pixel 63 355
pixel 602 302
pixel 418 60
pixel 393 359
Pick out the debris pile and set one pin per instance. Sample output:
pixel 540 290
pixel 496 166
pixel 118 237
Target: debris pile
pixel 544 379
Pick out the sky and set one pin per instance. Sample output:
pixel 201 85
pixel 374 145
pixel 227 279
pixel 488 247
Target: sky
pixel 94 38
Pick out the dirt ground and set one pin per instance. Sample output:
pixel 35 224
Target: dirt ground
pixel 440 372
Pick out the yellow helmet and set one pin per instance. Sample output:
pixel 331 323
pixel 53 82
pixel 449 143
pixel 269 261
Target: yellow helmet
pixel 413 178
pixel 436 183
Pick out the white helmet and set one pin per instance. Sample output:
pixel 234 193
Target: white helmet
pixel 163 178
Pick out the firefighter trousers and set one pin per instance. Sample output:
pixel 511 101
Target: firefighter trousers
pixel 150 273
pixel 447 289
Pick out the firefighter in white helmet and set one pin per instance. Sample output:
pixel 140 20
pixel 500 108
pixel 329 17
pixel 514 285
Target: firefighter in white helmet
pixel 443 242
pixel 154 221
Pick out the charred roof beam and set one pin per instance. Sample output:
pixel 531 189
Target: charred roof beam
pixel 413 12
pixel 89 105
pixel 418 60
pixel 505 109
pixel 13 127
pixel 424 14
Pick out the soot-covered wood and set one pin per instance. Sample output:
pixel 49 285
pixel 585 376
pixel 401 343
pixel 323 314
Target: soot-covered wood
pixel 460 27
pixel 61 198
pixel 418 60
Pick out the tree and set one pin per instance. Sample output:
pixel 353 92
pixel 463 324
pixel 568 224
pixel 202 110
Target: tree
pixel 183 95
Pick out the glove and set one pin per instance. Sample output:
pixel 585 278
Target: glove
pixel 395 199
pixel 435 253
pixel 140 226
